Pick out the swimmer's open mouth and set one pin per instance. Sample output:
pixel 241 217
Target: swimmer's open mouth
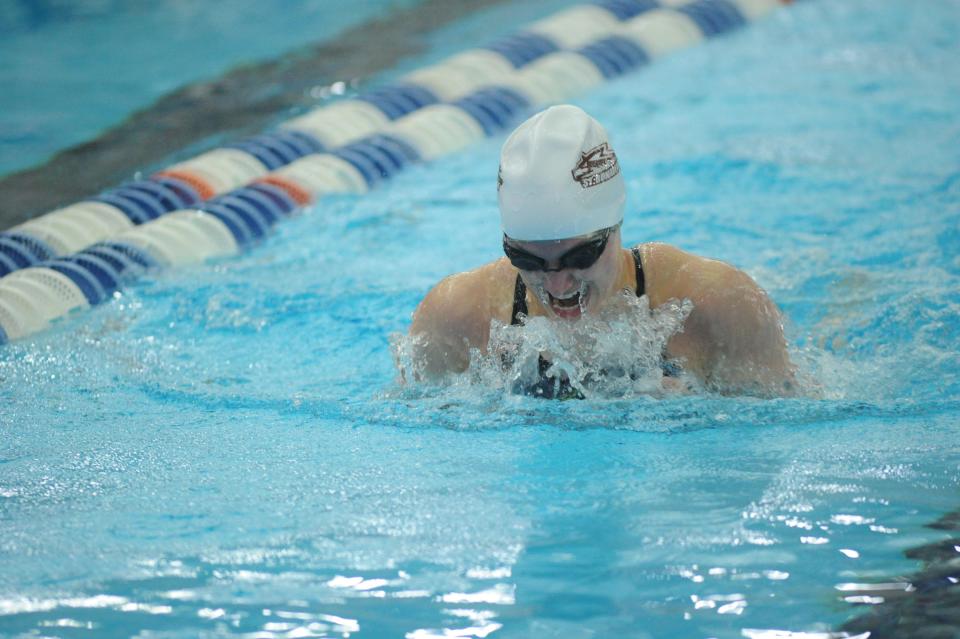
pixel 569 302
pixel 568 307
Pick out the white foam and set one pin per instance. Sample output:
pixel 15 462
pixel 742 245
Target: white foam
pixel 615 353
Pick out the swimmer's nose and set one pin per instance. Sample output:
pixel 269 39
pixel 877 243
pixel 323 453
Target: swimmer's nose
pixel 560 283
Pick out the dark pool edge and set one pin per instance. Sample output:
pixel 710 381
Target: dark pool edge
pixel 930 609
pixel 244 100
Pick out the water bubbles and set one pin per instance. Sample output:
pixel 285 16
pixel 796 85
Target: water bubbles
pixel 615 353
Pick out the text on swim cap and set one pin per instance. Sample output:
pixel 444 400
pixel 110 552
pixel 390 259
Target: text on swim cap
pixel 596 166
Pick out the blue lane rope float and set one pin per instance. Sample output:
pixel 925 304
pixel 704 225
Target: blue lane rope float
pixel 520 49
pixel 713 16
pixel 22 250
pixel 493 108
pixel 626 9
pixel 398 100
pixel 615 55
pixel 227 199
pixel 279 148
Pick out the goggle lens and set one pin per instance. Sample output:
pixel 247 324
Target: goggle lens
pixel 580 257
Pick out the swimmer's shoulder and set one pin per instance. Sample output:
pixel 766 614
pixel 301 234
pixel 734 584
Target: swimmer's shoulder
pixel 733 337
pixel 465 302
pixel 672 273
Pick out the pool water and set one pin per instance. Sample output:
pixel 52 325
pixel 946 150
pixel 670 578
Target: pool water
pixel 72 69
pixel 226 450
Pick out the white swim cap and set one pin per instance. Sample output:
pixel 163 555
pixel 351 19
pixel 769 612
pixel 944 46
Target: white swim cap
pixel 559 178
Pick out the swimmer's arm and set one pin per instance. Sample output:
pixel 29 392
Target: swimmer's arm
pixel 739 332
pixel 747 351
pixel 450 320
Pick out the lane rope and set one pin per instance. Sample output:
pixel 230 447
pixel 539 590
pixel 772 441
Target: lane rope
pixel 223 201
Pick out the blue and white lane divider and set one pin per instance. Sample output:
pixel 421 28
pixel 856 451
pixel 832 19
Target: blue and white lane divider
pixel 224 200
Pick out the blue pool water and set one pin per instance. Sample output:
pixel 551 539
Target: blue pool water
pixel 70 70
pixel 224 450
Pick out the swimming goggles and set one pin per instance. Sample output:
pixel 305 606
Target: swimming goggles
pixel 580 257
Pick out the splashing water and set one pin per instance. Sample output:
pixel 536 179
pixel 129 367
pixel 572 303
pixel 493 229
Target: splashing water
pixel 218 459
pixel 615 353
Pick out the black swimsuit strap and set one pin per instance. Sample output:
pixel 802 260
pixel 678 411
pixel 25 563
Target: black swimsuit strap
pixel 520 289
pixel 519 301
pixel 641 284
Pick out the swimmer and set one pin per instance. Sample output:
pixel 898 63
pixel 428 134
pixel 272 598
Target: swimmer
pixel 562 198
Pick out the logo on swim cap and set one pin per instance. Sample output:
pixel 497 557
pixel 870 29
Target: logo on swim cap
pixel 596 166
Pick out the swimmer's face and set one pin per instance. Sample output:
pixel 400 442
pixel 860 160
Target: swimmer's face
pixel 565 275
